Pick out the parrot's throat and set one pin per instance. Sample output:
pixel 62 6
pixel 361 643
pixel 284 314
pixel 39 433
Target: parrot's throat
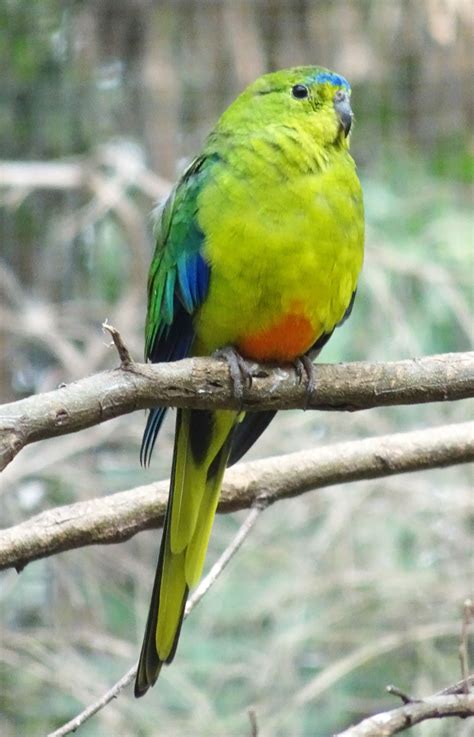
pixel 285 340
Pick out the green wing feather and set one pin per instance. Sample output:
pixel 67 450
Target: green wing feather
pixel 178 281
pixel 173 278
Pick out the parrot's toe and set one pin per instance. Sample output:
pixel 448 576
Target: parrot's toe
pixel 238 369
pixel 305 367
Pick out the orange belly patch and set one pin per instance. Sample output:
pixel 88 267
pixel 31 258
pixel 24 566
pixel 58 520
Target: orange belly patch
pixel 285 340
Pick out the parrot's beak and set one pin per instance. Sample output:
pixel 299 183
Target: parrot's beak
pixel 342 106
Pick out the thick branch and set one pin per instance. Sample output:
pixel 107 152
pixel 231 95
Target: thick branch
pixel 205 383
pixel 397 720
pixel 120 516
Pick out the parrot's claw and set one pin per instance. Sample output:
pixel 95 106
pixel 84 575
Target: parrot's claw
pixel 238 369
pixel 305 367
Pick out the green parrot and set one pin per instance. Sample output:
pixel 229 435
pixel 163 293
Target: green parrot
pixel 258 249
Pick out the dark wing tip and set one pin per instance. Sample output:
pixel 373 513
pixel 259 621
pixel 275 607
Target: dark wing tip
pixel 153 424
pixel 247 432
pixel 140 688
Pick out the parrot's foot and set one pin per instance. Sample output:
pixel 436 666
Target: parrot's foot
pixel 305 367
pixel 238 370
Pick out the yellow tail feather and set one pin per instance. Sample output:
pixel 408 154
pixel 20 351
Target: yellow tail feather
pixel 173 590
pixel 194 494
pixel 187 475
pixel 197 548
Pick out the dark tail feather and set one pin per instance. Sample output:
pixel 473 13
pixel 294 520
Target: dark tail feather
pixel 153 424
pixel 247 432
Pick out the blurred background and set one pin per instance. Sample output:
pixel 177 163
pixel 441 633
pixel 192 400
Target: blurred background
pixel 336 593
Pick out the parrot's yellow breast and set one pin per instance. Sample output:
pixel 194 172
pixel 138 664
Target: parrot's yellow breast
pixel 285 246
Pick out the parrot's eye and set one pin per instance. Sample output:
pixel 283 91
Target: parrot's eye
pixel 300 91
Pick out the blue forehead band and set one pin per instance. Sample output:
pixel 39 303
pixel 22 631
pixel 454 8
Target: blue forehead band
pixel 333 79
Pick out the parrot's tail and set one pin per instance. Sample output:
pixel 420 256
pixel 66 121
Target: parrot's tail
pixel 202 446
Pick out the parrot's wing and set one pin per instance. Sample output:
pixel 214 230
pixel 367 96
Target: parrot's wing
pixel 247 432
pixel 177 284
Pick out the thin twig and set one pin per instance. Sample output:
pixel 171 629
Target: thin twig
pixel 125 358
pixel 468 611
pixel 253 722
pixel 464 686
pixel 92 709
pixel 206 583
pixel 401 694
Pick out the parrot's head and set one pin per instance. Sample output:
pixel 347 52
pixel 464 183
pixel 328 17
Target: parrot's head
pixel 312 97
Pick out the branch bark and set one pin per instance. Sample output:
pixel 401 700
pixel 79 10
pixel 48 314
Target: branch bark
pixel 78 174
pixel 119 516
pixel 388 723
pixel 204 383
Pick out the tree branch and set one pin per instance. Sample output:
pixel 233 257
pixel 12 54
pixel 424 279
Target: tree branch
pixel 205 383
pixel 61 174
pixel 388 723
pixel 118 517
pixel 468 613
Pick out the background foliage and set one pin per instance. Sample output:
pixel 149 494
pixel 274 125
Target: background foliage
pixel 125 92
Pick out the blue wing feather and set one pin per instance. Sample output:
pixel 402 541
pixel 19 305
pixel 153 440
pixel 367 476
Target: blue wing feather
pixel 202 280
pixel 174 344
pixel 178 284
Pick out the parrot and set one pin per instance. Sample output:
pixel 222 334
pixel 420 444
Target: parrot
pixel 258 250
